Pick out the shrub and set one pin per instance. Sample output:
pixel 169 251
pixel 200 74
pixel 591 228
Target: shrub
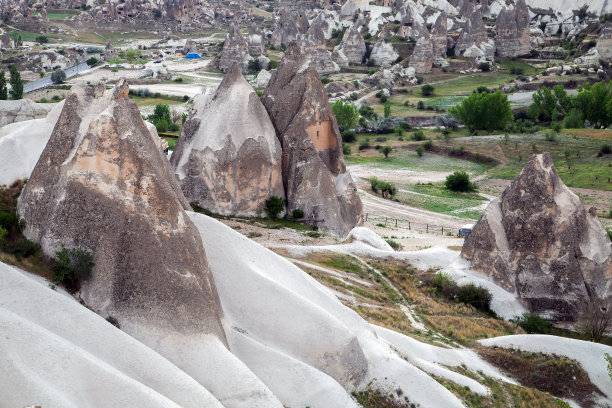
pixel 418 135
pixel 348 136
pixel 447 121
pixel 604 149
pixel 427 144
pixel 346 149
pixel 381 139
pixel 364 144
pixel 420 150
pixel 395 245
pixel 42 39
pixel 274 206
pixel 484 66
pixel 533 323
pixel 556 126
pixel 92 61
pixel 387 109
pixel 58 76
pixel 443 284
pixel 484 111
pixel 297 214
pixel 550 136
pixel 421 105
pixel 427 90
pixel 72 266
pixel 573 120
pixel 476 296
pixel 384 188
pixel 459 181
pixel 366 111
pixel 386 150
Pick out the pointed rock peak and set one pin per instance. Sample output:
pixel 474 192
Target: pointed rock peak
pixel 294 49
pixel 233 75
pixel 121 90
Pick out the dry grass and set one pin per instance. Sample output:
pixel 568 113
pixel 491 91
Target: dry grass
pixel 466 328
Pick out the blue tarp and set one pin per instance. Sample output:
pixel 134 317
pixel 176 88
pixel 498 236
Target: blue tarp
pixel 192 55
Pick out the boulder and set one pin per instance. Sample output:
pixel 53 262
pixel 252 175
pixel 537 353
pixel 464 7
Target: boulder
pixel 513 33
pixel 383 53
pixel 263 77
pixel 103 185
pixel 23 109
pixel 438 36
pixel 314 174
pixel 538 240
pixel 235 50
pixel 353 45
pixel 190 46
pixel 227 158
pixel 604 42
pixel 422 57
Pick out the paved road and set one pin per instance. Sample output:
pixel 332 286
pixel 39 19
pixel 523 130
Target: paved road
pixel 44 82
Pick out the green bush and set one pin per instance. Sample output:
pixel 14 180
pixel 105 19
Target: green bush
pixel 427 144
pixel 427 90
pixel 459 181
pixel 297 214
pixel 418 135
pixel 533 323
pixel 348 136
pixel 386 150
pixel 604 149
pixel 395 245
pixel 573 120
pixel 484 66
pixel 364 144
pixel 420 150
pixel 92 61
pixel 384 188
pixel 42 39
pixel 58 76
pixel 488 111
pixel 476 296
pixel 346 149
pixel 274 206
pixel 72 266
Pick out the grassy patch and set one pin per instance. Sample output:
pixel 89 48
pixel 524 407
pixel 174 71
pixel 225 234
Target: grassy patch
pixel 444 102
pixel 144 101
pixel 560 376
pixel 375 399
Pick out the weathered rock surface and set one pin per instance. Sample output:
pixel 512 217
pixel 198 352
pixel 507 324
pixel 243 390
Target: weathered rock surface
pixel 353 45
pixel 439 35
pixel 383 53
pixel 256 42
pixel 513 31
pixel 23 109
pixel 313 45
pixel 228 158
pixel 289 26
pixel 314 175
pixel 235 50
pixel 538 240
pixel 473 33
pixel 604 42
pixel 102 184
pixel 422 57
pixel 263 77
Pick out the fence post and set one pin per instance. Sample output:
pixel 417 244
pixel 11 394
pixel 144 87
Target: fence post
pixel 408 224
pixel 385 220
pixel 396 223
pixel 442 230
pixel 427 228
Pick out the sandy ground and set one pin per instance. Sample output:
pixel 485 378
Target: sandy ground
pixel 405 176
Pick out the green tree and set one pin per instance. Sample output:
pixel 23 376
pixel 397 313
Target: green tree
pixel 490 111
pixel 387 109
pixel 427 90
pixel 549 103
pixel 58 76
pixel 161 117
pixel 16 82
pixel 72 266
pixel 593 101
pixel 3 89
pixel 459 181
pixel 386 150
pixel 346 114
pixel 42 39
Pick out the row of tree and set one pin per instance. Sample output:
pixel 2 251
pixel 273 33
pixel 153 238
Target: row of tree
pixel 14 80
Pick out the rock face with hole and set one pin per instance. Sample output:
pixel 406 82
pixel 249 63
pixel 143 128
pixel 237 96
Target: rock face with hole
pixel 538 240
pixel 103 184
pixel 314 175
pixel 235 50
pixel 513 31
pixel 353 45
pixel 228 158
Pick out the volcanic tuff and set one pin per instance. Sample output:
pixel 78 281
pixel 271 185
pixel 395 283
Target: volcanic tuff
pixel 512 26
pixel 313 45
pixel 473 33
pixel 102 184
pixel 228 158
pixel 422 57
pixel 538 240
pixel 604 42
pixel 255 41
pixel 438 35
pixel 353 45
pixel 235 50
pixel 383 53
pixel 315 177
pixel 289 27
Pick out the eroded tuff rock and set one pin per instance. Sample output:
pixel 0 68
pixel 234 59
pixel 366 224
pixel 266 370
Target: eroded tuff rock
pixel 102 184
pixel 383 53
pixel 256 42
pixel 22 109
pixel 313 45
pixel 314 175
pixel 289 26
pixel 604 42
pixel 439 36
pixel 422 57
pixel 235 50
pixel 513 31
pixel 473 33
pixel 538 240
pixel 228 158
pixel 353 45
